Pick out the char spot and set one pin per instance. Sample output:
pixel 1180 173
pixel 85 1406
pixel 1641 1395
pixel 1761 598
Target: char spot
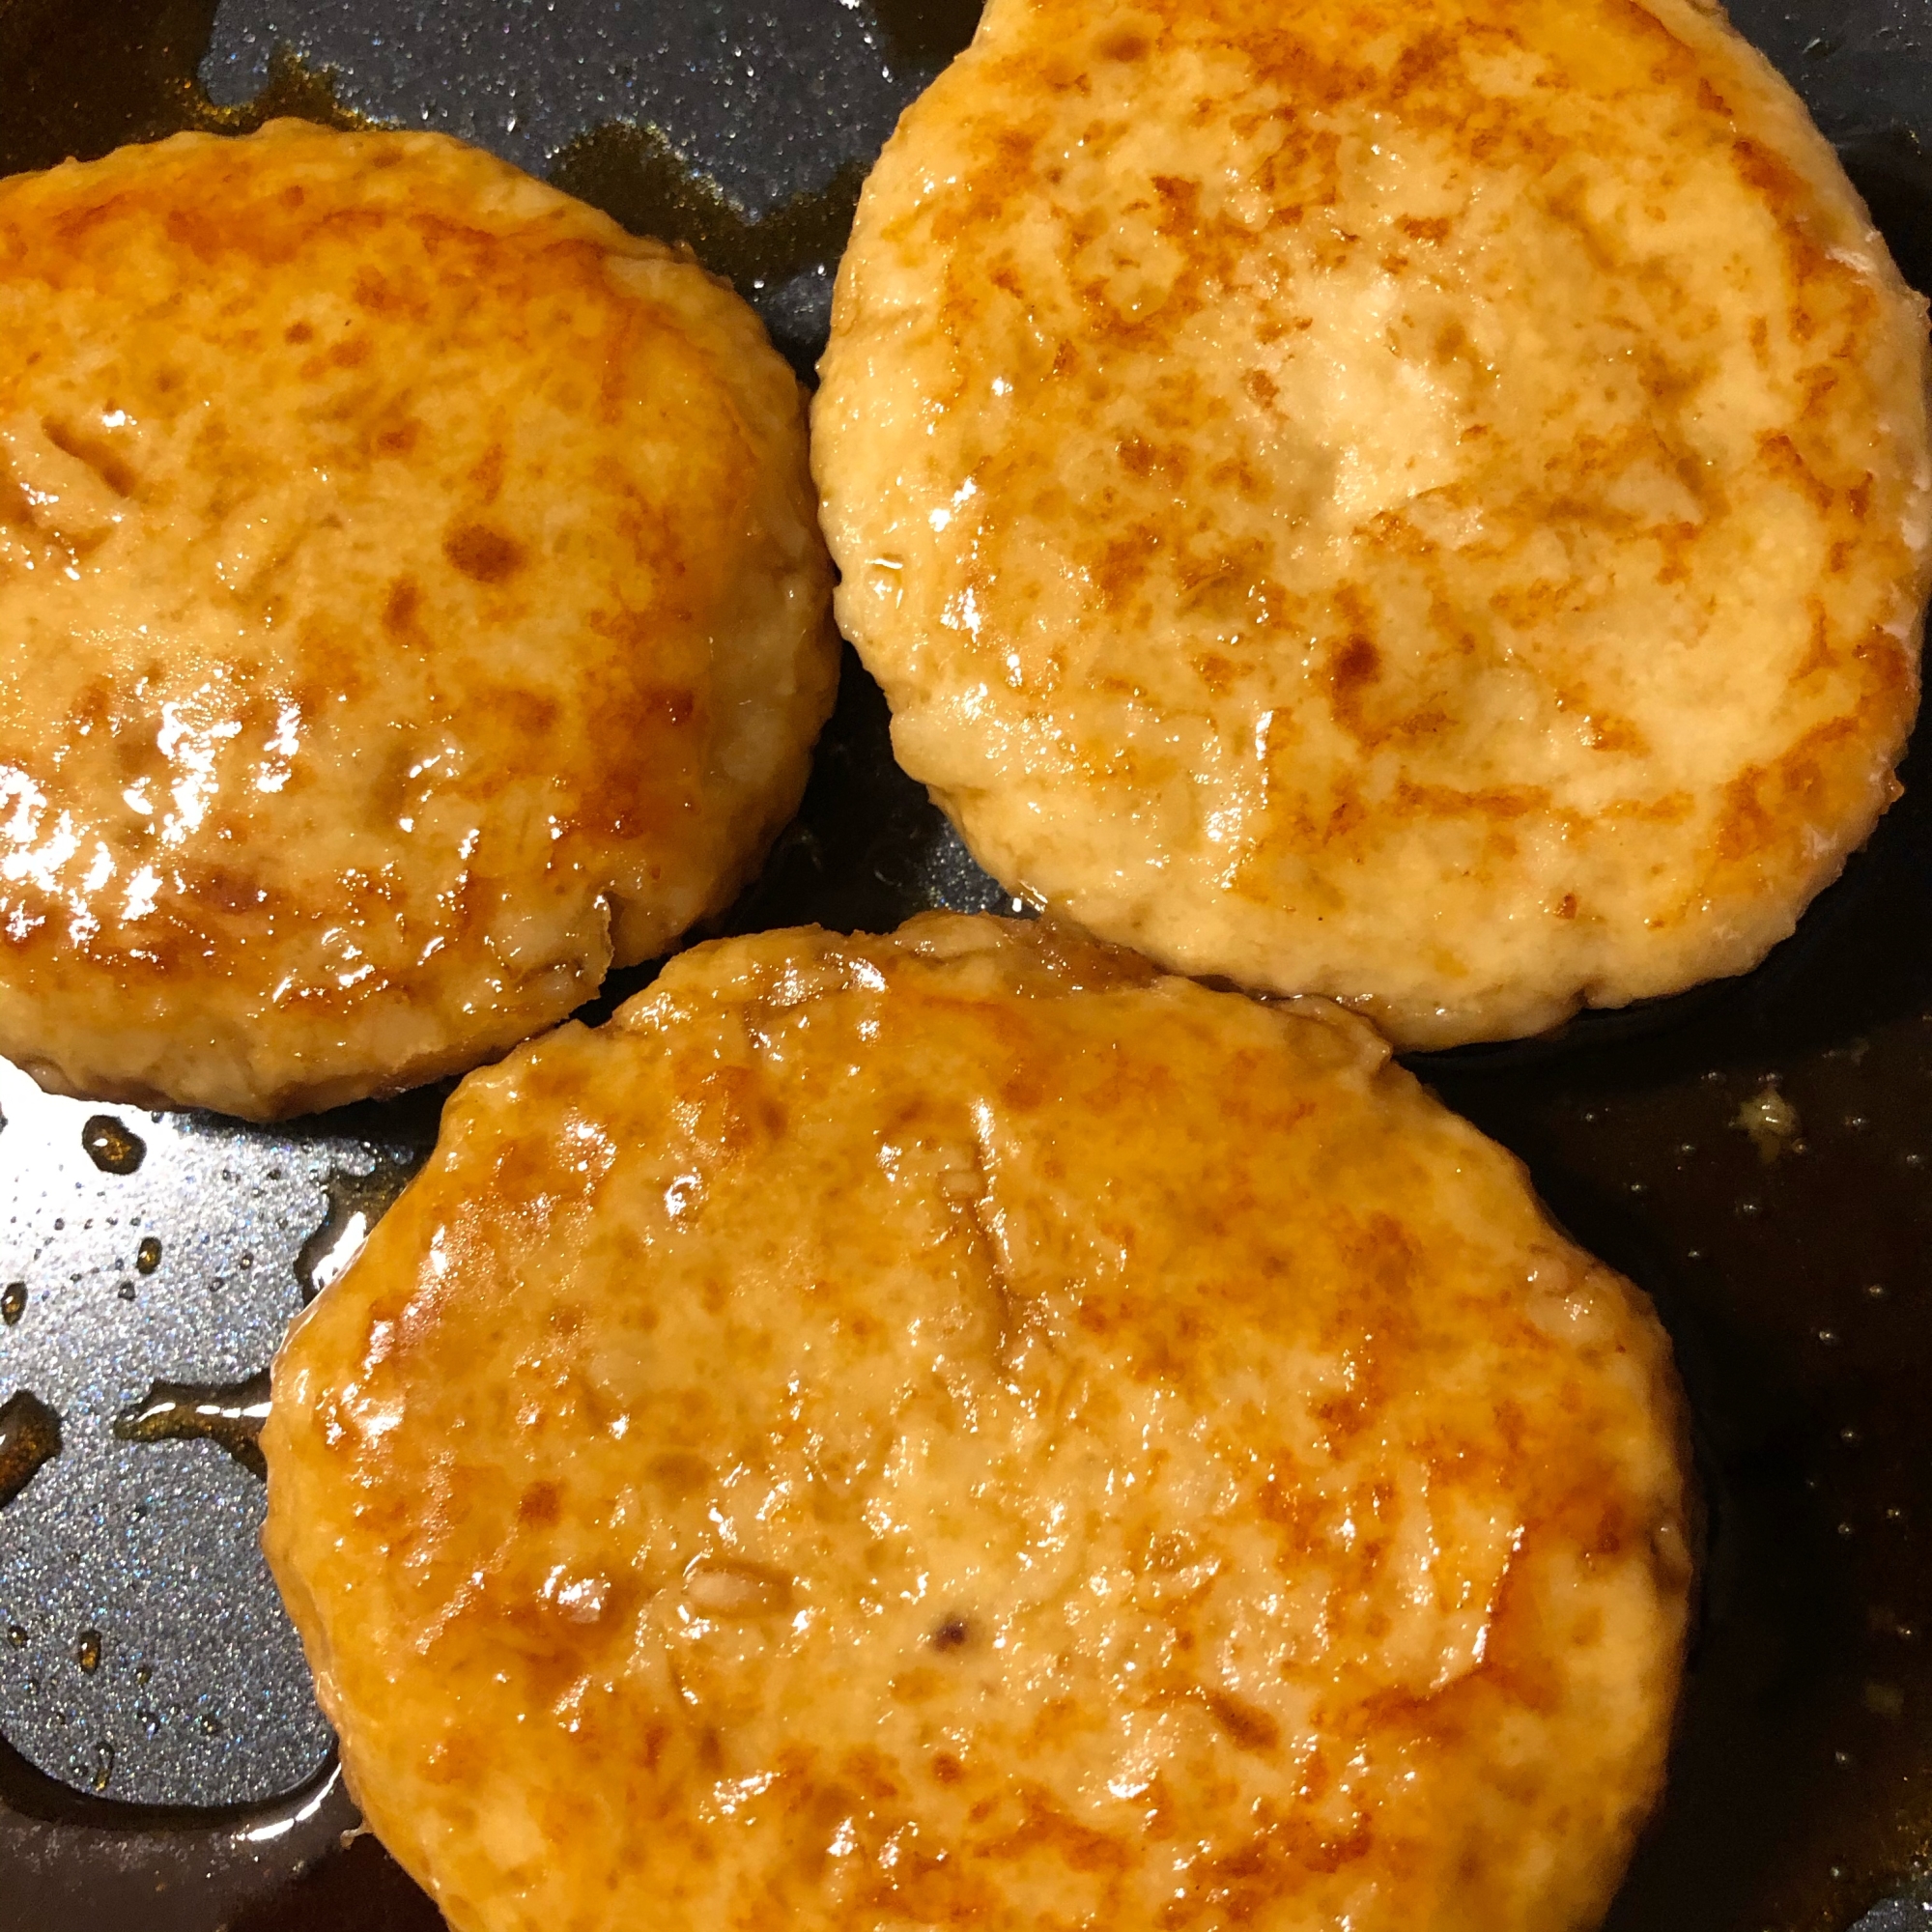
pixel 680 1472
pixel 1252 1729
pixel 373 294
pixel 1613 1532
pixel 946 1768
pixel 485 555
pixel 298 332
pixel 1215 671
pixel 400 611
pixel 528 712
pixel 1609 733
pixel 1356 664
pixel 486 479
pixel 952 1634
pixel 97 452
pixel 1124 44
pixel 541 1503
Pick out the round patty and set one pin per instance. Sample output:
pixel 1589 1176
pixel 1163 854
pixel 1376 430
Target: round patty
pixel 961 1429
pixel 411 605
pixel 1422 503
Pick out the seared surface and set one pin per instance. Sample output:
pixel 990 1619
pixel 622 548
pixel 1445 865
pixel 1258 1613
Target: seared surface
pixel 959 1430
pixel 1420 503
pixel 410 604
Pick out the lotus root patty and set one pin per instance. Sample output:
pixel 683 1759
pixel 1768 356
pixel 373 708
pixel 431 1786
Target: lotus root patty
pixel 1422 503
pixel 962 1429
pixel 411 605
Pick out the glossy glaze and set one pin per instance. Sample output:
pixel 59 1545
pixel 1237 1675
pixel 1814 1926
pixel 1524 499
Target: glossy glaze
pixel 960 1430
pixel 30 1438
pixel 410 605
pixel 1427 504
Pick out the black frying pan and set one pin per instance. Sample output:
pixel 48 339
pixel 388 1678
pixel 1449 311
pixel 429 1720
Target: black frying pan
pixel 163 1765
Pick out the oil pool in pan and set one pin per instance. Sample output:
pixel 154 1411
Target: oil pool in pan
pixel 1758 1155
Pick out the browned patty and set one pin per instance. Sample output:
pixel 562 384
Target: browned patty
pixel 411 605
pixel 962 1429
pixel 1419 501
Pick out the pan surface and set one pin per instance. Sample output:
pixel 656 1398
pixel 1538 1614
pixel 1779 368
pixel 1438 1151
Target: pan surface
pixel 1757 1156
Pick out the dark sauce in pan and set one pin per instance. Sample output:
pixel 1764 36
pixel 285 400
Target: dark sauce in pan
pixel 30 1436
pixel 113 1147
pixel 357 1201
pixel 228 1414
pixel 1757 1156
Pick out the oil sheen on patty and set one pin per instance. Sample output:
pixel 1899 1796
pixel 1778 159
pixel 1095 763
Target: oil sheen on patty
pixel 411 605
pixel 1421 502
pixel 961 1429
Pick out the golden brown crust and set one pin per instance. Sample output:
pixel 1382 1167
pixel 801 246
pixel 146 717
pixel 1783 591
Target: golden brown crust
pixel 1423 503
pixel 963 1430
pixel 410 604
